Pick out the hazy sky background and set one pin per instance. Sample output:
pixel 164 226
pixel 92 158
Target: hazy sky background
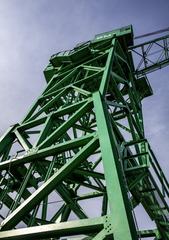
pixel 32 30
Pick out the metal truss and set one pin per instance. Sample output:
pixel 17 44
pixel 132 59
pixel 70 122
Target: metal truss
pixel 79 164
pixel 151 55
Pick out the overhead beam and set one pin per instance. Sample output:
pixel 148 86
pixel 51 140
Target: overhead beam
pixel 34 155
pixel 86 226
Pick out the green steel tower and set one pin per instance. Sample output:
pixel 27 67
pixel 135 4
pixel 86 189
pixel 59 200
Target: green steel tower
pixel 79 164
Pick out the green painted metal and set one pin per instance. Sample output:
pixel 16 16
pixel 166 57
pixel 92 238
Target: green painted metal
pixel 79 163
pixel 56 230
pixel 152 55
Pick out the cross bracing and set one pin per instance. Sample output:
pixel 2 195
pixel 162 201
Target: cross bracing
pixel 79 163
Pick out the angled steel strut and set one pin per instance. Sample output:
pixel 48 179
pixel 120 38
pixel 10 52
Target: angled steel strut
pixel 79 163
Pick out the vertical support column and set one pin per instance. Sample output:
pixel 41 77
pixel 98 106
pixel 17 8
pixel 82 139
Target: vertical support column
pixel 120 209
pixel 107 70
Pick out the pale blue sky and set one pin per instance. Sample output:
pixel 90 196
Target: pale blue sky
pixel 32 30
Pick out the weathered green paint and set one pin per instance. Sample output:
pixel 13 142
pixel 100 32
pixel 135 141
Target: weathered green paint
pixel 83 141
pixel 120 209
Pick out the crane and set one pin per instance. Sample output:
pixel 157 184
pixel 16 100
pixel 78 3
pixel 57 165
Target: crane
pixel 152 55
pixel 79 163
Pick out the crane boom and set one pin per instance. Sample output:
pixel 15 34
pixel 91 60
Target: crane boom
pixel 150 56
pixel 152 33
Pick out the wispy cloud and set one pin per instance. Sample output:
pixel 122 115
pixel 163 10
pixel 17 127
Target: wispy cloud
pixel 31 31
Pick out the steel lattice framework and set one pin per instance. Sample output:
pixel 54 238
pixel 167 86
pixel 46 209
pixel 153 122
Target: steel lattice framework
pixel 79 162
